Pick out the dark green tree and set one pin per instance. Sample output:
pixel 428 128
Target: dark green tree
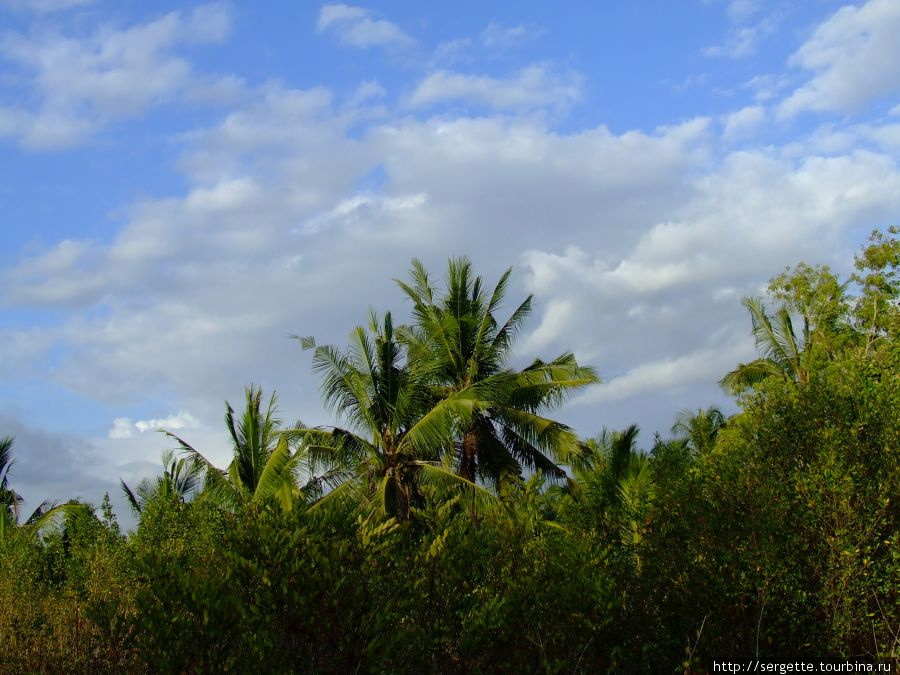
pixel 700 428
pixel 263 465
pixel 396 428
pixel 180 479
pixel 457 339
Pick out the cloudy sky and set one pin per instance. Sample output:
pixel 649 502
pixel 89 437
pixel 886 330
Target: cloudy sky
pixel 184 186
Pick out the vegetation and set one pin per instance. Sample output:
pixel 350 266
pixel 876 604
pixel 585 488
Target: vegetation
pixel 447 524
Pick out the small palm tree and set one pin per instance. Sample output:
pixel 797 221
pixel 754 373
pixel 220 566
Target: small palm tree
pixel 9 499
pixel 263 466
pixel 459 342
pixel 180 480
pixel 616 480
pixel 47 514
pixel 700 428
pixel 783 351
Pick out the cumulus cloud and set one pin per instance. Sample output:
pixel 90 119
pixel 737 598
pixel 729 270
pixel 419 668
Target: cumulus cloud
pixel 853 58
pixel 743 38
pixel 499 36
pixel 357 27
pixel 367 91
pixel 741 10
pixel 636 243
pixel 535 86
pixel 742 123
pixel 81 84
pixel 636 246
pixel 123 427
pixel 700 366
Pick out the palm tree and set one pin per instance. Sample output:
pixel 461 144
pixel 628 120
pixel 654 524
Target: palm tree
pixel 9 499
pixel 616 480
pixel 396 428
pixel 459 343
pixel 606 460
pixel 700 428
pixel 814 296
pixel 262 468
pixel 784 353
pixel 180 479
pixel 46 514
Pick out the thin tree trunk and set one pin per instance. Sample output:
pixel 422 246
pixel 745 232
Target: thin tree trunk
pixel 467 461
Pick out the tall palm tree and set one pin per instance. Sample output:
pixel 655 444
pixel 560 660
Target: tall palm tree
pixel 396 429
pixel 700 428
pixel 180 479
pixel 262 468
pixel 458 341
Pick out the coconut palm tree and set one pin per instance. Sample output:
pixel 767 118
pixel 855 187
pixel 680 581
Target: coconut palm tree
pixel 815 297
pixel 9 499
pixel 457 340
pixel 180 479
pixel 263 466
pixel 615 480
pixel 700 428
pixel 395 429
pixel 783 352
pixel 45 515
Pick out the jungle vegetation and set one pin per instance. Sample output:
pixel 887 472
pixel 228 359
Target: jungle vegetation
pixel 447 523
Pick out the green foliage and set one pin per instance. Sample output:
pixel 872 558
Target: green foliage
pixel 877 267
pixel 773 535
pixel 398 428
pixel 461 346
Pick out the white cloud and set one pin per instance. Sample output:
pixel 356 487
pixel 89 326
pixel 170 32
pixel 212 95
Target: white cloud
pixel 44 6
pixel 853 56
pixel 558 314
pixel 122 427
pixel 499 36
pixel 180 420
pixel 701 366
pixel 742 39
pixel 741 10
pixel 637 245
pixel 451 52
pixel 742 123
pixel 366 91
pixel 534 86
pixel 332 14
pixel 355 27
pixel 83 84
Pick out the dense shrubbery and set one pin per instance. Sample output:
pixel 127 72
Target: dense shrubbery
pixel 772 535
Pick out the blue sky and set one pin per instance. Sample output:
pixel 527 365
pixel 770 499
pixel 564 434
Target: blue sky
pixel 185 185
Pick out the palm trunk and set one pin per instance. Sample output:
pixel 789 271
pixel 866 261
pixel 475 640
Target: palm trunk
pixel 467 461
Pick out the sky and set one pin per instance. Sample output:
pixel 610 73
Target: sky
pixel 184 186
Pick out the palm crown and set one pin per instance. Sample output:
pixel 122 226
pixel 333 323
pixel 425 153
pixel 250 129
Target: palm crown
pixel 457 340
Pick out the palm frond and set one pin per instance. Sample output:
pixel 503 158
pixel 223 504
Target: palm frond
pixel 431 431
pixel 748 375
pixel 471 494
pixel 133 502
pixel 216 486
pixel 544 433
